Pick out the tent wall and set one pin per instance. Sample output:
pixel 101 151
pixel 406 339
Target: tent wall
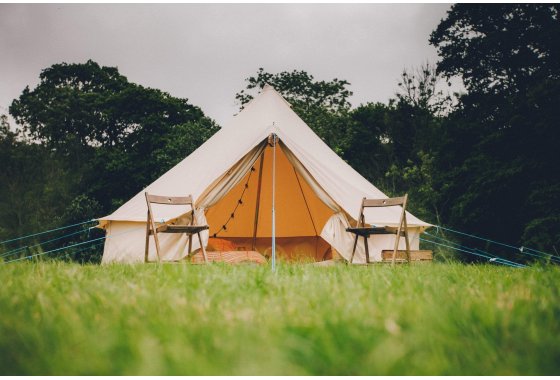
pixel 126 241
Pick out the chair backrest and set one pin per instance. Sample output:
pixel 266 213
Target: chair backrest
pixel 397 201
pixel 164 200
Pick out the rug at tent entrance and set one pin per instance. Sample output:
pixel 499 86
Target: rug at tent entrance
pixel 236 249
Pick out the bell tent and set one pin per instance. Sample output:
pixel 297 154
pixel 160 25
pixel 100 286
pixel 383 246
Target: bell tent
pixel 265 152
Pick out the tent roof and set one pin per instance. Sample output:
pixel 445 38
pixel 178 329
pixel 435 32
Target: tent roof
pixel 267 113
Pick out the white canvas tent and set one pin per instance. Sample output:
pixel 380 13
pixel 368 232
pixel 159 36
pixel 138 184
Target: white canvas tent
pixel 318 195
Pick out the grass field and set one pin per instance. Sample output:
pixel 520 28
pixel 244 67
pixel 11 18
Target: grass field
pixel 439 319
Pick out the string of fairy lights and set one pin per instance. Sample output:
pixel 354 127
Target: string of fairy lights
pixel 239 203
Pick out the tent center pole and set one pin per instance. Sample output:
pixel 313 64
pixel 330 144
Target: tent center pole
pixel 272 140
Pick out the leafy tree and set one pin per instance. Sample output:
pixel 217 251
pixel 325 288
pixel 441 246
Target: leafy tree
pixel 419 88
pixel 117 136
pixel 500 156
pixel 31 192
pixel 89 141
pixel 499 49
pixel 369 149
pixel 301 89
pixel 97 106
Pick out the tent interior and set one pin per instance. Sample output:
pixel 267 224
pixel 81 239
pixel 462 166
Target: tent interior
pixel 242 219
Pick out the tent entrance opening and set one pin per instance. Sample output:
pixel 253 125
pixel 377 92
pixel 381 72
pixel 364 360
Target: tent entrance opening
pixel 242 219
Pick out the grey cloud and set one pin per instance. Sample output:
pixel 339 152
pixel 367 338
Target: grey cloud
pixel 205 51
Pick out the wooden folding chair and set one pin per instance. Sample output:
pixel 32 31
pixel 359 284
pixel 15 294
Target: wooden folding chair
pixel 366 232
pixel 189 230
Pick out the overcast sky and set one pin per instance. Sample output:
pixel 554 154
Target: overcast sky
pixel 204 52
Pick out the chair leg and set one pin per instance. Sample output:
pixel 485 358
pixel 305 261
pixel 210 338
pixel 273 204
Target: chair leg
pixel 147 242
pixel 367 249
pixel 407 241
pixel 407 245
pixel 156 239
pixel 189 236
pixel 397 239
pixel 157 248
pixel 203 249
pixel 354 249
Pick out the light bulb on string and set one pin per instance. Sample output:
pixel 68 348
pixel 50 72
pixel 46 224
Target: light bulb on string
pixel 239 202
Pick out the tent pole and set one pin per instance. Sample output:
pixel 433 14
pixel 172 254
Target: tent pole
pixel 272 140
pixel 258 203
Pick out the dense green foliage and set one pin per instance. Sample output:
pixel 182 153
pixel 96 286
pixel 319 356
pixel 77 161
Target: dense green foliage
pixel 499 157
pixel 31 191
pixel 67 319
pixel 88 141
pixel 485 163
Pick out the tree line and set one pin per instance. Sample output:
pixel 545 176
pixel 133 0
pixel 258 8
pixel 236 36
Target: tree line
pixel 484 161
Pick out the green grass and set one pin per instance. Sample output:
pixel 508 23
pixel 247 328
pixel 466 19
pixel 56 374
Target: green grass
pixel 439 319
